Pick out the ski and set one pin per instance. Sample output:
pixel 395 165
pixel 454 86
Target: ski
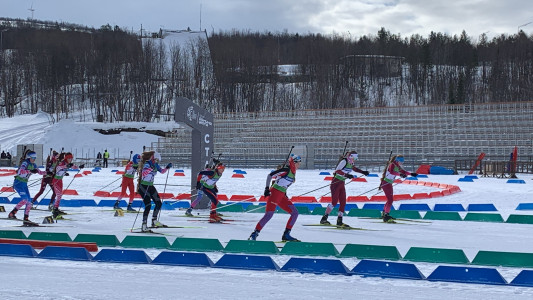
pixel 284 242
pixel 398 219
pixel 148 232
pixel 333 226
pixel 167 226
pixel 221 222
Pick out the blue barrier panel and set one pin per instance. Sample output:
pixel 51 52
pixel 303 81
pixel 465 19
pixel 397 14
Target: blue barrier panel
pixel 167 205
pixel 467 275
pixel 422 176
pixel 180 204
pixel 15 200
pixel 372 175
pixel 247 262
pixel 350 206
pixel 87 202
pixel 375 206
pixel 471 176
pixel 66 253
pixel 466 180
pixel 324 173
pixel 138 204
pixel 387 269
pixel 524 278
pixel 481 207
pixel 95 170
pixel 191 259
pixel 508 181
pixel 525 206
pixel 4 200
pixel 448 207
pixel 179 171
pixel 315 266
pixel 236 170
pixel 106 203
pixel 70 203
pixel 122 256
pixel 114 171
pixel 17 250
pixel 414 206
pixel 241 172
pixel 411 178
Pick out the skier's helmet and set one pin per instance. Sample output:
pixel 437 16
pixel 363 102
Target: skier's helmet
pixel 400 159
pixel 135 159
pixel 352 156
pixel 68 157
pixel 31 155
pixel 296 158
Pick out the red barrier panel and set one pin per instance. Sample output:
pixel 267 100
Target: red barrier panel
pixel 102 194
pixel 222 197
pixel 38 244
pixel 402 197
pixel 357 199
pixel 359 179
pixel 329 178
pixel 9 173
pixel 7 189
pixel 70 192
pixel 120 173
pixel 303 199
pixel 87 172
pixel 378 198
pixel 184 196
pixel 446 192
pixel 443 186
pixel 248 198
pixel 436 194
pixel 115 194
pixel 179 174
pixel 421 196
pixel 413 182
pixel 166 195
pixel 262 199
pixel 421 183
pixel 237 176
pixel 78 175
pixel 325 199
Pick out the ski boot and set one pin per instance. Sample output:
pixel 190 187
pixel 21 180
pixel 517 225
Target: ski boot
pixel 55 213
pixel 287 236
pixel 26 222
pixel 12 214
pixel 157 224
pixel 340 224
pixel 254 235
pixel 387 218
pixel 213 218
pixel 51 206
pixel 188 212
pixel 144 227
pixel 129 208
pixel 324 220
pixel 116 206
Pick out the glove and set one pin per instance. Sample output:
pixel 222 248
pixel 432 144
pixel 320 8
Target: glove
pixel 34 171
pixel 365 173
pixel 198 185
pixel 66 174
pixel 403 175
pixel 349 176
pixel 70 165
pixel 414 174
pixel 169 166
pixel 82 166
pixel 267 192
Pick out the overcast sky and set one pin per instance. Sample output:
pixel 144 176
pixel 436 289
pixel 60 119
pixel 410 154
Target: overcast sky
pixel 352 18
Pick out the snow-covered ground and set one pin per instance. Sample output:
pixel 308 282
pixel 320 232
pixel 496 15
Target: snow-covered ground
pixel 34 278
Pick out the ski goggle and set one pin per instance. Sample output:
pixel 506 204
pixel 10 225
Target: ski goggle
pixel 33 156
pixel 400 159
pixel 353 156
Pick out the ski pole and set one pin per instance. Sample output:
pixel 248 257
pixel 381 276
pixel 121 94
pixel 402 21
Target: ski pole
pixel 288 155
pixel 109 184
pixel 139 210
pixel 162 200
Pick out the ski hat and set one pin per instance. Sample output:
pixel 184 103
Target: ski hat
pixel 352 156
pixel 296 158
pixel 157 156
pixel 31 155
pixel 68 156
pixel 221 167
pixel 135 159
pixel 400 159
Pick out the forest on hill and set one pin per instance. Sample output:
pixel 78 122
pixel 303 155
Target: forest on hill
pixel 122 76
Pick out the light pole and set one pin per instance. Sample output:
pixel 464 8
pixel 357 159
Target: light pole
pixel 524 25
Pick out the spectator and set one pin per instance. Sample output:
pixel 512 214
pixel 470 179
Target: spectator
pixel 8 156
pixel 106 156
pixel 3 155
pixel 99 159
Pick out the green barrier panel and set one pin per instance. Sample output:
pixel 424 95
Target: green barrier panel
pixel 12 234
pixel 371 213
pixel 371 251
pixel 309 249
pixel 504 259
pixel 484 217
pixel 436 255
pixel 256 209
pixel 231 208
pixel 255 247
pixel 196 244
pixel 405 214
pixel 303 210
pixel 50 236
pixel 139 241
pixel 521 219
pixel 443 215
pixel 322 210
pixel 102 240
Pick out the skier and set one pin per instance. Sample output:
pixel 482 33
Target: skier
pixel 27 167
pixel 127 181
pixel 51 162
pixel 338 190
pixel 394 168
pixel 65 162
pixel 150 162
pixel 277 196
pixel 206 184
pixel 106 157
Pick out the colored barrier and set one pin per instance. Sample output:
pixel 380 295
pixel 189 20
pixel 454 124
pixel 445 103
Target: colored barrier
pixel 320 211
pixel 405 214
pixel 70 203
pixel 524 278
pixel 50 236
pixel 315 266
pixel 378 198
pixel 237 176
pixel 12 234
pixel 520 219
pixel 256 209
pixel 309 249
pixel 246 262
pixel 481 207
pixel 303 199
pixel 66 253
pixel 4 200
pixel 70 192
pixel 371 251
pixel 248 198
pixel 386 269
pixel 122 256
pixel 467 275
pixel 196 244
pixel 166 195
pixel 189 259
pixel 353 199
pixel 402 197
pixel 366 213
pixel 102 240
pixel 102 194
pixel 436 255
pixel 525 206
pixel 414 206
pixel 448 207
pixel 359 179
pixel 184 196
pixel 443 215
pixel 421 196
pixel 231 208
pixel 87 202
pixel 374 206
pixel 253 247
pixel 140 241
pixel 324 173
pixel 504 259
pixel 483 217
pixel 17 250
pixel 7 189
pixel 106 203
pixel 38 244
pixel 465 180
pixel 516 181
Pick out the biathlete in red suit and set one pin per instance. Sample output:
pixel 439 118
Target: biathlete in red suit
pixel 394 169
pixel 127 182
pixel 277 196
pixel 65 162
pixel 338 191
pixel 51 163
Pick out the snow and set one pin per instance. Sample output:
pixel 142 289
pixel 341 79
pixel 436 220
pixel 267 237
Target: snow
pixel 34 278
